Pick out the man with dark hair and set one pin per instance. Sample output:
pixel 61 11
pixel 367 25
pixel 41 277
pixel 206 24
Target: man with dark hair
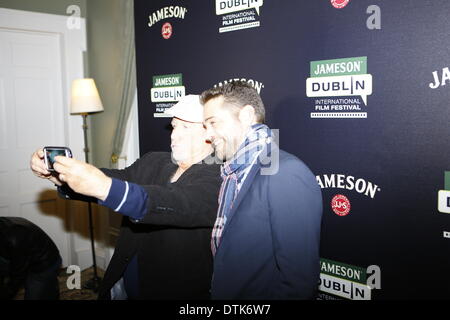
pixel 238 94
pixel 266 237
pixel 28 257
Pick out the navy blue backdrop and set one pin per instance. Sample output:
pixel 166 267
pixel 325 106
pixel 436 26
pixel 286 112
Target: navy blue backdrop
pixel 386 157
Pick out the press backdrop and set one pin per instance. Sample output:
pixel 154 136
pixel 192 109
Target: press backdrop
pixel 359 90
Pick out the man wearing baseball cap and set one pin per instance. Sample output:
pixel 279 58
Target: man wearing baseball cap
pixel 169 203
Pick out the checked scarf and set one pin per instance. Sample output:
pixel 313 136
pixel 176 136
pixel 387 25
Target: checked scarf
pixel 232 173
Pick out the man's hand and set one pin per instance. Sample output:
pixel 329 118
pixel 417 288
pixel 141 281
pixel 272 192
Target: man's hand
pixel 82 177
pixel 39 168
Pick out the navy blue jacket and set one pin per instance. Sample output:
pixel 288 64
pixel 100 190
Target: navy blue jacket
pixel 270 245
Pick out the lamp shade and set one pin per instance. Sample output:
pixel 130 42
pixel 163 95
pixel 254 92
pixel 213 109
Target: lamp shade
pixel 85 97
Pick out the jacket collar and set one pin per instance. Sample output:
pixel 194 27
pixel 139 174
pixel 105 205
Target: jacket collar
pixel 263 159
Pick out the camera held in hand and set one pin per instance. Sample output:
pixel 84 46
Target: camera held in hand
pixel 51 152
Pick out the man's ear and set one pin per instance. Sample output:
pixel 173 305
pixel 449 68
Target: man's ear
pixel 247 115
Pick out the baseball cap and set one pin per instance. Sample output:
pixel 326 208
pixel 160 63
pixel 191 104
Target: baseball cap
pixel 187 109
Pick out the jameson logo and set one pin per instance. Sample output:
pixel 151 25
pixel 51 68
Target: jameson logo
pixel 346 78
pixel 255 84
pixel 440 82
pixel 347 281
pixel 166 91
pixel 167 88
pixel 340 203
pixel 238 14
pixel 341 181
pixel 166 13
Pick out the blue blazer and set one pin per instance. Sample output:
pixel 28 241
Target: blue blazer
pixel 270 244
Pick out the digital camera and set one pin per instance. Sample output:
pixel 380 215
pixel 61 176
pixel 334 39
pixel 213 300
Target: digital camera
pixel 51 152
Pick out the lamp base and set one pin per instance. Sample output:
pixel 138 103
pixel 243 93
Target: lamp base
pixel 93 284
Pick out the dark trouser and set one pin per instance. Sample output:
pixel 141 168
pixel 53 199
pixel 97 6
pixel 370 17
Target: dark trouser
pixel 43 285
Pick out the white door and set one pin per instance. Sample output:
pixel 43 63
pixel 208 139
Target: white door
pixel 33 113
pixel 31 116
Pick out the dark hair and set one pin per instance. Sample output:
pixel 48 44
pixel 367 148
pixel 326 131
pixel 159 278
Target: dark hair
pixel 239 94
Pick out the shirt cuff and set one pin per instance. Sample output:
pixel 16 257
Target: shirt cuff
pixel 127 198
